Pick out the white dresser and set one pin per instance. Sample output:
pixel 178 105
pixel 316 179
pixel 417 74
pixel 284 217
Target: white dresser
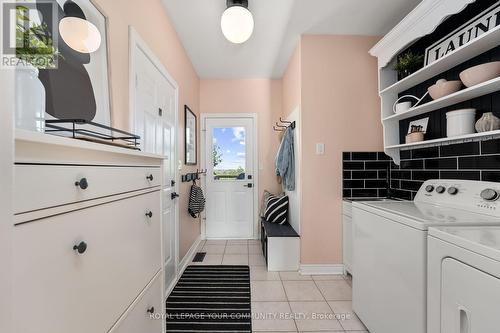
pixel 87 238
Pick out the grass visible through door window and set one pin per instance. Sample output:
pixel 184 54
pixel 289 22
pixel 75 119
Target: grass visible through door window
pixel 229 153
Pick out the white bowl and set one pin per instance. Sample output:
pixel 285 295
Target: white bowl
pixel 479 74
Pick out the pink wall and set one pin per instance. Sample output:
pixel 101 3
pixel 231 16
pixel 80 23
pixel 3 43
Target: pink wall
pixel 292 83
pixel 340 107
pixel 149 18
pixel 260 96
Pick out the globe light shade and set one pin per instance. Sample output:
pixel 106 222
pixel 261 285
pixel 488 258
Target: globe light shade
pixel 80 34
pixel 237 24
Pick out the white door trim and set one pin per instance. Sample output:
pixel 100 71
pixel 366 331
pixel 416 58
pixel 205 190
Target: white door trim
pixel 136 42
pixel 254 117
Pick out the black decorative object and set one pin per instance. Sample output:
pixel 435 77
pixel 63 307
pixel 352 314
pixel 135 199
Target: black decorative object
pixel 191 136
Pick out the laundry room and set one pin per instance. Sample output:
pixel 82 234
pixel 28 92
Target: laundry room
pixel 252 166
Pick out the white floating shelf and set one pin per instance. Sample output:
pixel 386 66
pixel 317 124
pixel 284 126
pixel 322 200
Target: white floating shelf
pixel 443 141
pixel 478 46
pixel 458 97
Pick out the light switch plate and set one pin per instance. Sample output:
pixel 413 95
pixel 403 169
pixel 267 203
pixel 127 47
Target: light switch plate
pixel 320 149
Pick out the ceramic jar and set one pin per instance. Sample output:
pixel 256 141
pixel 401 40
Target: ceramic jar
pixel 488 122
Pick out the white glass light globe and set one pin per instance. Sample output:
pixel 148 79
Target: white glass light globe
pixel 237 24
pixel 80 34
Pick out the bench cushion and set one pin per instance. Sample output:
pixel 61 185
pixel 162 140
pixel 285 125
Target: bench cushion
pixel 279 230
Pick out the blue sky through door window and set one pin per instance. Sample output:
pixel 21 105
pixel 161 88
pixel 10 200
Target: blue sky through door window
pixel 229 152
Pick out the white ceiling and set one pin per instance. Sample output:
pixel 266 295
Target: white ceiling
pixel 278 25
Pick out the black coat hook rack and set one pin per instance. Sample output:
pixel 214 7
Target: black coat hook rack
pixel 192 176
pixel 282 125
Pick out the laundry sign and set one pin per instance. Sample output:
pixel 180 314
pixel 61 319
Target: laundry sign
pixel 479 25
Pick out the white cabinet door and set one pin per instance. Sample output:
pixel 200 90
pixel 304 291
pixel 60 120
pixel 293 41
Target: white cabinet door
pixel 145 314
pixel 63 290
pixel 470 299
pixel 230 178
pixel 347 242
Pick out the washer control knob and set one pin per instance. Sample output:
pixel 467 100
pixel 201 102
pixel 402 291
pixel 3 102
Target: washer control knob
pixel 489 194
pixel 429 188
pixel 440 189
pixel 453 190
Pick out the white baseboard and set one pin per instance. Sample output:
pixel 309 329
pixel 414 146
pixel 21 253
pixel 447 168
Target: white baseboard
pixel 184 263
pixel 335 269
pixel 188 257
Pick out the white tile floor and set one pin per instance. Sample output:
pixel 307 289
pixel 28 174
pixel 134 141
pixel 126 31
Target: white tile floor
pixel 287 301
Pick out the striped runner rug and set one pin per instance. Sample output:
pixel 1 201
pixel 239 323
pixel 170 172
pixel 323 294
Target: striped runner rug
pixel 211 299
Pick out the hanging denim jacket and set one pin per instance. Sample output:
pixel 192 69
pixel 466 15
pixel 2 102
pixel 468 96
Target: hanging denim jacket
pixel 285 161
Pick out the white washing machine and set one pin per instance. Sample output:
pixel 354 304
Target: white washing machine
pixel 390 249
pixel 464 280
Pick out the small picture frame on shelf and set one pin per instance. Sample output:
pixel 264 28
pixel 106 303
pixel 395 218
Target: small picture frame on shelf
pixel 190 128
pixel 420 123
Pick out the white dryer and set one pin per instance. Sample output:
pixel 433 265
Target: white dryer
pixel 390 249
pixel 464 280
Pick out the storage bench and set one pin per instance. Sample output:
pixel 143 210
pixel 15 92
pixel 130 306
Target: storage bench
pixel 281 246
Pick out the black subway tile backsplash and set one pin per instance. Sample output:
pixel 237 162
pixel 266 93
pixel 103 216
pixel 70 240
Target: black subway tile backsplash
pixel 365 174
pixel 468 161
pixel 490 147
pixel 465 175
pixel 487 162
pixel 425 153
pixel 490 176
pixel 441 163
pixel 462 149
pixel 364 156
pixel 424 175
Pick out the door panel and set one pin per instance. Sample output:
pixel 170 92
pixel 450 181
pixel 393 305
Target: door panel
pixel 230 178
pixel 155 122
pixel 469 299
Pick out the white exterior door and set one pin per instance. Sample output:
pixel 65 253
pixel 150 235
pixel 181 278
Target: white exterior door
pixel 155 121
pixel 230 181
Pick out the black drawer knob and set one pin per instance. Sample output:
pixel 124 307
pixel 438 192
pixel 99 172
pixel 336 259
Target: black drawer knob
pixel 174 195
pixel 81 248
pixel 151 310
pixel 82 183
pixel 149 214
pixel 150 178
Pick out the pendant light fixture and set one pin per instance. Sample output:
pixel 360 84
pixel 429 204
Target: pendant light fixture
pixel 80 34
pixel 237 21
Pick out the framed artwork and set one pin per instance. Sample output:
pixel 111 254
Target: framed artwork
pixel 190 148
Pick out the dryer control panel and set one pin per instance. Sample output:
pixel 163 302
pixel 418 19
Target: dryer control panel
pixel 475 196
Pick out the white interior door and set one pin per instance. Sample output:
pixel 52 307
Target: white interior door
pixel 155 121
pixel 230 181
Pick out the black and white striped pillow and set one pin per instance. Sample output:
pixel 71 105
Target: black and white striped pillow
pixel 277 209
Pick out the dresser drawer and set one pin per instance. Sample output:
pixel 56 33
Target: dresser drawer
pixel 146 314
pixel 59 290
pixel 43 186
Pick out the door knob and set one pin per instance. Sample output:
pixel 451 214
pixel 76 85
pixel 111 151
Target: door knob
pixel 149 214
pixel 174 195
pixel 249 185
pixel 81 248
pixel 82 183
pixel 150 178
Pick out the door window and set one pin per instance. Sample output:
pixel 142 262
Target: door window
pixel 229 153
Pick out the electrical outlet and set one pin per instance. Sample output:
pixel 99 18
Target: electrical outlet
pixel 320 149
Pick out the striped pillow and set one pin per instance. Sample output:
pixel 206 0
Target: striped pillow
pixel 277 209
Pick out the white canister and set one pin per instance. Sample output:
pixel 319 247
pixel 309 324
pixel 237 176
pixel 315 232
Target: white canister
pixel 460 122
pixel 30 99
